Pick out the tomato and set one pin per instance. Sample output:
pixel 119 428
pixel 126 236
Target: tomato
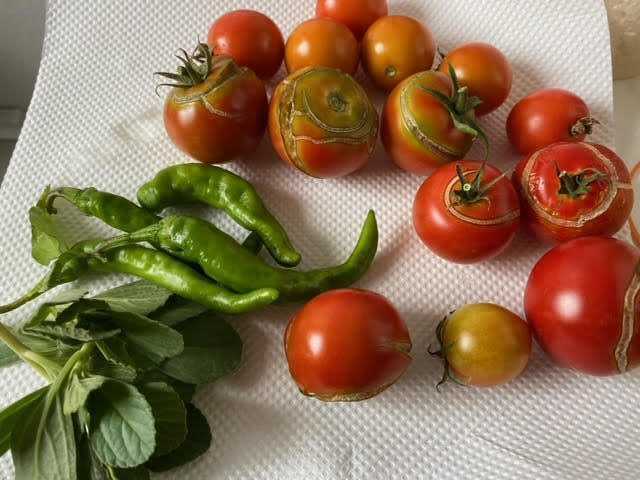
pixel 483 345
pixel 357 15
pixel 322 122
pixel 634 219
pixel 484 70
pixel 347 345
pixel 582 301
pixel 321 42
pixel 222 115
pixel 571 190
pixel 466 212
pixel 546 117
pixel 417 130
pixel 251 38
pixel 396 47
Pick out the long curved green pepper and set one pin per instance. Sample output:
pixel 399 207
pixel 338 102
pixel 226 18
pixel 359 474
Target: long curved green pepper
pixel 223 259
pixel 219 188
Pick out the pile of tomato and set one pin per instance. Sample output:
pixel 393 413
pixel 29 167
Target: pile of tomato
pixel 582 301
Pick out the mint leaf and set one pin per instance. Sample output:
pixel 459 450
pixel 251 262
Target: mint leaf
pixel 153 339
pixel 91 468
pixel 170 414
pixel 78 391
pixel 7 356
pixel 10 416
pixel 139 297
pixel 68 332
pixel 177 310
pixel 196 443
pixel 185 390
pixel 46 240
pixel 122 425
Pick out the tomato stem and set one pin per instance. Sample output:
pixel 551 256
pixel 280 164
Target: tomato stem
pixel 577 185
pixel 584 126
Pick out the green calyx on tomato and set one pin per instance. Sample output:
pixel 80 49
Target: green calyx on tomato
pixel 576 185
pixel 441 353
pixel 194 70
pixel 474 191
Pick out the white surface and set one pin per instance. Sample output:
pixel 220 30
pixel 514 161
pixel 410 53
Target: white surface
pixel 102 126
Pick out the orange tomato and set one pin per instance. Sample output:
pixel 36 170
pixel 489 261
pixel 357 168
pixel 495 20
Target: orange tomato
pixel 357 15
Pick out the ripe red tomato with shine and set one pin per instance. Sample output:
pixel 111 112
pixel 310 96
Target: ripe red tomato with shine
pixel 357 15
pixel 582 301
pixel 484 70
pixel 347 345
pixel 571 190
pixel 251 38
pixel 468 221
pixel 548 116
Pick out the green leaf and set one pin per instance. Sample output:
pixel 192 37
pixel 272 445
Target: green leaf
pixel 115 351
pixel 70 332
pixel 152 338
pixel 78 391
pixel 44 448
pixel 91 468
pixel 170 414
pixel 46 241
pixel 185 390
pixel 122 425
pixel 139 297
pixel 197 442
pixel 212 349
pixel 177 310
pixel 10 415
pixel 73 311
pixel 7 356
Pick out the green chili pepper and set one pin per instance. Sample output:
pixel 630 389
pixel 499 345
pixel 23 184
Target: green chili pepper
pixel 219 188
pixel 223 259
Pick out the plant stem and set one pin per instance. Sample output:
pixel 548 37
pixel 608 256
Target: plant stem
pixel 35 292
pixel 80 355
pixel 45 367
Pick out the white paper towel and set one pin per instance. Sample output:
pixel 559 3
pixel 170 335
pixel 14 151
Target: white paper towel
pixel 95 121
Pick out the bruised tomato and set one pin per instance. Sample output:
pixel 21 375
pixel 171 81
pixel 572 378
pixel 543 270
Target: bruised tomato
pixel 356 15
pixel 347 345
pixel 582 301
pixel 466 212
pixel 571 190
pixel 322 122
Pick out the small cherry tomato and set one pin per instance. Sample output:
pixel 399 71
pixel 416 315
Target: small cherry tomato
pixel 571 190
pixel 321 42
pixel 322 122
pixel 546 117
pixel 466 212
pixel 357 15
pixel 251 38
pixel 483 345
pixel 396 47
pixel 417 129
pixel 634 218
pixel 582 301
pixel 484 70
pixel 217 111
pixel 347 345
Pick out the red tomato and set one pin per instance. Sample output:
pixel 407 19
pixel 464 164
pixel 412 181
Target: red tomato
pixel 223 114
pixel 634 218
pixel 251 38
pixel 571 190
pixel 347 345
pixel 468 221
pixel 357 15
pixel 484 70
pixel 322 122
pixel 546 117
pixel 321 42
pixel 583 304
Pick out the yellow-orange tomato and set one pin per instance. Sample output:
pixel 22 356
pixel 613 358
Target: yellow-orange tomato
pixel 322 122
pixel 321 42
pixel 396 47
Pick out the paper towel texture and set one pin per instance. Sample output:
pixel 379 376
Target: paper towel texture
pixel 95 121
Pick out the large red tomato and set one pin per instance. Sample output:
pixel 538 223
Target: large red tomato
pixel 634 218
pixel 357 15
pixel 322 122
pixel 251 38
pixel 218 111
pixel 484 70
pixel 571 190
pixel 583 303
pixel 347 345
pixel 418 131
pixel 466 212
pixel 546 117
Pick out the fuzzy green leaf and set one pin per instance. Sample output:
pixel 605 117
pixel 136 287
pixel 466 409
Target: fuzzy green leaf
pixel 10 416
pixel 7 356
pixel 78 391
pixel 177 310
pixel 139 297
pixel 68 332
pixel 170 414
pixel 153 339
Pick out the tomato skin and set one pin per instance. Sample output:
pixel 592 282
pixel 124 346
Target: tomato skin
pixel 394 48
pixel 438 140
pixel 574 302
pixel 545 117
pixel 484 70
pixel 321 42
pixel 251 38
pixel 556 217
pixel 485 344
pixel 356 15
pixel 218 137
pixel 635 213
pixel 328 137
pixel 465 233
pixel 347 345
